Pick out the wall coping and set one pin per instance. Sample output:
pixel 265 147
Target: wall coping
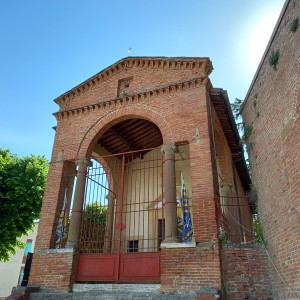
pixel 249 245
pixel 178 245
pixel 55 251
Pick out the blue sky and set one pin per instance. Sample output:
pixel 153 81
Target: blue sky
pixel 47 47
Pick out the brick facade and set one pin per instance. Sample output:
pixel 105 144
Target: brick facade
pixel 271 108
pixel 246 273
pixel 183 273
pixel 174 94
pixel 54 271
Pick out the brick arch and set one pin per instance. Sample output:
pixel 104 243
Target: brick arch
pixel 120 114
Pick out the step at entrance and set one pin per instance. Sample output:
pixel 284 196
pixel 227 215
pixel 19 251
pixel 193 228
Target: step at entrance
pixel 129 296
pixel 113 287
pixel 112 292
pixel 123 291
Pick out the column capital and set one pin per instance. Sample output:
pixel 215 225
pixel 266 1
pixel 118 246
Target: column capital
pixel 169 149
pixel 226 185
pixel 110 196
pixel 83 163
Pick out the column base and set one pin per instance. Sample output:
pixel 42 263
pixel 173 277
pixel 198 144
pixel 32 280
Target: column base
pixel 170 240
pixel 71 246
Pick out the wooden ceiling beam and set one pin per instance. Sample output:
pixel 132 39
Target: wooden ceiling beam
pixel 130 135
pixel 120 136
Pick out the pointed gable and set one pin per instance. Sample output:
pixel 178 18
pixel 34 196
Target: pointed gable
pixel 134 75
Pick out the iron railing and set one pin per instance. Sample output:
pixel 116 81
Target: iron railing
pixel 123 208
pixel 236 220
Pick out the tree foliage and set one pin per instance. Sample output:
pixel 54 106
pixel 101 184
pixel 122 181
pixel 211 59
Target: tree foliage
pixel 258 233
pixel 94 225
pixel 95 213
pixel 236 106
pixel 22 184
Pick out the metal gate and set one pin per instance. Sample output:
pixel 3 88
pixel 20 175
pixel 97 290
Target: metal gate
pixel 122 219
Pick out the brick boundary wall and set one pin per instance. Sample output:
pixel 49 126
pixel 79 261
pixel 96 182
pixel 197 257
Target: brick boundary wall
pixel 190 270
pixel 55 271
pixel 246 273
pixel 271 108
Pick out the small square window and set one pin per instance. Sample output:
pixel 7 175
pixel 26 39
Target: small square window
pixel 125 87
pixel 133 246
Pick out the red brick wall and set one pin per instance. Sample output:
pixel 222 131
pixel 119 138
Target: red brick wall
pixel 246 273
pixel 272 107
pixel 53 271
pixel 190 269
pixel 52 203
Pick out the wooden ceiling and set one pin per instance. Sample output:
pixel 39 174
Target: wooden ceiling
pixel 131 135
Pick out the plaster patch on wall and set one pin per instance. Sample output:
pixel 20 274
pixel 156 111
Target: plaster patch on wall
pixel 197 136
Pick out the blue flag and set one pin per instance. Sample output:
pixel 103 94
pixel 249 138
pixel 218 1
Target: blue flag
pixel 187 227
pixel 179 219
pixel 59 232
pixel 60 226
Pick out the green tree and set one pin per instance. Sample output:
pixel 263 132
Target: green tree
pixel 94 224
pixel 22 184
pixel 236 106
pixel 95 213
pixel 258 233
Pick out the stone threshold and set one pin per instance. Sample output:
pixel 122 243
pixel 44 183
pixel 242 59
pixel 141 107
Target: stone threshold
pixel 116 287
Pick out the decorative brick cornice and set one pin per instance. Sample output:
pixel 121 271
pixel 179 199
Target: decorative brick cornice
pixel 173 88
pixel 199 63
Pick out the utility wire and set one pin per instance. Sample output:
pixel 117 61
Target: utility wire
pixel 268 254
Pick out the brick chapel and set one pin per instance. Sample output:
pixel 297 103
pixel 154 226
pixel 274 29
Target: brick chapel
pixel 147 175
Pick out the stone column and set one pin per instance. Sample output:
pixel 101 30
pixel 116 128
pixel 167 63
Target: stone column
pixel 75 222
pixel 70 185
pixel 170 193
pixel 69 194
pixel 109 222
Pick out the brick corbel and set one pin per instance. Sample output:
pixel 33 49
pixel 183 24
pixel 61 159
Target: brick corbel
pixel 173 88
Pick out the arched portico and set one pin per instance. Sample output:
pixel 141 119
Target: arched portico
pixel 143 172
pixel 117 115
